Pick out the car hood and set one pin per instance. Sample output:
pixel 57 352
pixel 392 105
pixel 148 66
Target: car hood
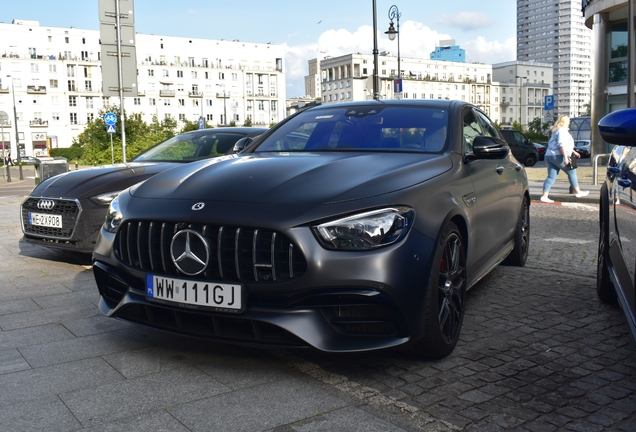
pixel 294 178
pixel 93 181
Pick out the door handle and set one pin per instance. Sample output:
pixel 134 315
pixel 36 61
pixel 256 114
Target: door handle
pixel 500 169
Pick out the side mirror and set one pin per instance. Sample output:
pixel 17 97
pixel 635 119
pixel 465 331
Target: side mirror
pixel 242 144
pixel 619 127
pixel 486 147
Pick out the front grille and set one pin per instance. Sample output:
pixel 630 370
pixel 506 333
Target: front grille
pixel 68 209
pixel 242 254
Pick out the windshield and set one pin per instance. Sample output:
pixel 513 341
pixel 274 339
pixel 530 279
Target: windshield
pixel 362 128
pixel 191 147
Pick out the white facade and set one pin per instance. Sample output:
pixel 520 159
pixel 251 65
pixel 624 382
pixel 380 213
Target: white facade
pixel 553 32
pixel 56 76
pixel 350 78
pixel 523 88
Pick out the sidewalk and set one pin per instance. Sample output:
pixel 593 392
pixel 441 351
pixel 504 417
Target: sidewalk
pixel 560 191
pixel 28 174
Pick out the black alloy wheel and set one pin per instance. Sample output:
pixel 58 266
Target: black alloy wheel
pixel 446 298
pixel 604 287
pixel 530 160
pixel 519 254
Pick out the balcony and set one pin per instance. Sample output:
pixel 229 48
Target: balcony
pixel 195 94
pixel 167 93
pixel 36 89
pixel 505 104
pixel 38 123
pixel 141 92
pixel 4 90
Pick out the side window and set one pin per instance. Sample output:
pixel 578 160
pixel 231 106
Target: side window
pixel 487 126
pixel 519 139
pixel 471 129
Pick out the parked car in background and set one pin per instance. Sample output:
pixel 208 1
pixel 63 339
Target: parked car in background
pixel 347 227
pixel 583 147
pixel 616 260
pixel 66 211
pixel 541 148
pixel 522 148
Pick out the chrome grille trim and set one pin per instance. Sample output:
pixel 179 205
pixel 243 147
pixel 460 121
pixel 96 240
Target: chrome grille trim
pixel 70 218
pixel 243 254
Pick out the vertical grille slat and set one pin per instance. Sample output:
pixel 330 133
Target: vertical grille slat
pixel 219 250
pixel 273 254
pixel 151 238
pixel 68 209
pixel 254 262
pixel 236 254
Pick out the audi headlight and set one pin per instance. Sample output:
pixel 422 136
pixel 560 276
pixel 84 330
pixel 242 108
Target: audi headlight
pixel 105 198
pixel 113 216
pixel 368 230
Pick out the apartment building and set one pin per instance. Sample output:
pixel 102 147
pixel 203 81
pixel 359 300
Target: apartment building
pixel 554 32
pixel 523 88
pixel 507 92
pixel 54 75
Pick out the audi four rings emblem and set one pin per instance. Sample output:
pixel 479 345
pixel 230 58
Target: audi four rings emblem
pixel 190 252
pixel 198 206
pixel 46 204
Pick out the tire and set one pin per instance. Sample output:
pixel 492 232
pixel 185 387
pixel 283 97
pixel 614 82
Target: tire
pixel 530 160
pixel 519 254
pixel 604 287
pixel 446 297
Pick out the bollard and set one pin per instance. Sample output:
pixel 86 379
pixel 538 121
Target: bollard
pixel 76 167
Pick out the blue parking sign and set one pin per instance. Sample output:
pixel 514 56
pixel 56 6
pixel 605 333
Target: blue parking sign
pixel 548 103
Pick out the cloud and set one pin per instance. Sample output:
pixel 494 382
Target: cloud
pixel 416 41
pixel 193 11
pixel 466 20
pixel 482 51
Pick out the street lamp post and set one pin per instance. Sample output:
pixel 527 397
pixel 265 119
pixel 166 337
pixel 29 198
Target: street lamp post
pixel 3 119
pixel 17 139
pixel 376 94
pixel 394 14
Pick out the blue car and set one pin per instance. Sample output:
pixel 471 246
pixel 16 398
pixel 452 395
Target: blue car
pixel 617 238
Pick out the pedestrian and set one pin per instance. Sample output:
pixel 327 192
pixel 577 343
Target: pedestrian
pixel 558 157
pixel 9 161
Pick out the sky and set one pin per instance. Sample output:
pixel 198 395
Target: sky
pixel 308 29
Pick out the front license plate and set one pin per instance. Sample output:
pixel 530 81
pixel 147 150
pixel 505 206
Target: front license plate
pixel 45 220
pixel 199 293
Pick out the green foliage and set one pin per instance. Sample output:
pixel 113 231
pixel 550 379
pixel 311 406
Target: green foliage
pixel 539 130
pixel 272 124
pixel 94 144
pixel 498 125
pixel 517 126
pixel 72 153
pixel 248 122
pixel 189 126
pixel 232 124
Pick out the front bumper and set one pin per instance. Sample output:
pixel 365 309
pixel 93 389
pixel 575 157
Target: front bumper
pixel 345 302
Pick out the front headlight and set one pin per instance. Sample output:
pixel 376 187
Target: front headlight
pixel 113 216
pixel 368 230
pixel 105 198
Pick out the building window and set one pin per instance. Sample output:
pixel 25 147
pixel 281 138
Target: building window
pixel 151 72
pixel 137 101
pixel 166 102
pixel 52 68
pixel 71 85
pixel 209 117
pixel 181 102
pixel 89 102
pixel 165 73
pixel 90 117
pixel 195 74
pixel 55 116
pixel 182 117
pixel 179 74
pixel 221 75
pixel 53 83
pixel 152 101
pixel 73 118
pixel 72 101
pixel 66 41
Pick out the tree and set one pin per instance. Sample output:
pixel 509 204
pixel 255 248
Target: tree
pixel 248 122
pixel 517 126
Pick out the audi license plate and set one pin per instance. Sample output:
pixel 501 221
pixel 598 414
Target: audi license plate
pixel 45 220
pixel 199 293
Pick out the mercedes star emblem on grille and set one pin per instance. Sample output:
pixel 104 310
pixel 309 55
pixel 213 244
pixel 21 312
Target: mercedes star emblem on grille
pixel 190 252
pixel 46 204
pixel 198 206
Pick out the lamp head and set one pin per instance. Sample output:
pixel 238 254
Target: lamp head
pixel 391 32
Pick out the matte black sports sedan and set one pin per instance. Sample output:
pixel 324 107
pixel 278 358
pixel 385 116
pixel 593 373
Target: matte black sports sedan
pixel 617 239
pixel 67 211
pixel 347 227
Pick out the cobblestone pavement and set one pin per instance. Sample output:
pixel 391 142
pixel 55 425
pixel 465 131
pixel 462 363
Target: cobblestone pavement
pixel 538 352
